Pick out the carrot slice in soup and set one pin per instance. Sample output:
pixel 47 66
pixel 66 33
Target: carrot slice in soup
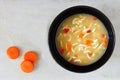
pixel 66 30
pixel 62 51
pixel 88 31
pixel 88 42
pixel 81 35
pixel 94 18
pixel 69 46
pixel 13 52
pixel 90 54
pixel 103 35
pixel 105 42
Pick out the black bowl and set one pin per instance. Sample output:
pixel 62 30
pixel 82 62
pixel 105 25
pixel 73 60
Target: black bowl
pixel 52 38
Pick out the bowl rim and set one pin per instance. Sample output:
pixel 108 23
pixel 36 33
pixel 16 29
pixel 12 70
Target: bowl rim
pixel 52 41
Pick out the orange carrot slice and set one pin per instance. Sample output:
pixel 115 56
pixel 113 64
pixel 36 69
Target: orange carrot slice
pixel 105 42
pixel 69 46
pixel 81 35
pixel 90 54
pixel 13 52
pixel 88 42
pixel 27 66
pixel 95 18
pixel 103 35
pixel 31 56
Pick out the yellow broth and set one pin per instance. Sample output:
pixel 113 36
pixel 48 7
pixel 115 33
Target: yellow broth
pixel 82 39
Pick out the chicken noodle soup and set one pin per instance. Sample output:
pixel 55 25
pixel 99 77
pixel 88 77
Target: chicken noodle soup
pixel 82 39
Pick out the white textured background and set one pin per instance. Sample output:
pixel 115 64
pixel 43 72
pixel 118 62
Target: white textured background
pixel 25 23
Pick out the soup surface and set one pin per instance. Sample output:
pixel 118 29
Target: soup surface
pixel 82 39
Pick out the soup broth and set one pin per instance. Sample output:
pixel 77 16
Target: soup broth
pixel 82 39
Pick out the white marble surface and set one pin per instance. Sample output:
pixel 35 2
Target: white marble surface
pixel 25 23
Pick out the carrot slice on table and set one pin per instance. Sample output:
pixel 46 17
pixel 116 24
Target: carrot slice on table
pixel 31 56
pixel 69 46
pixel 13 52
pixel 27 66
pixel 88 42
